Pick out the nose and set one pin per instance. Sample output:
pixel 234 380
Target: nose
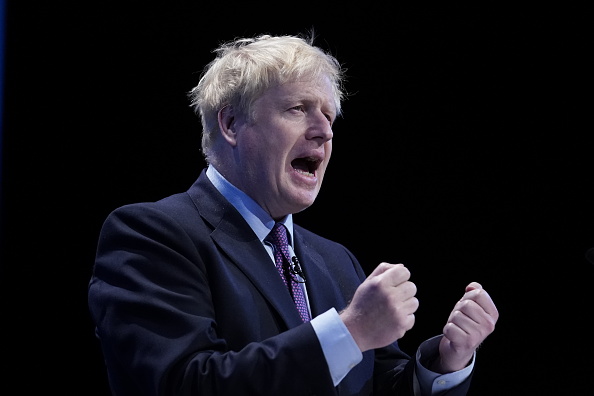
pixel 320 128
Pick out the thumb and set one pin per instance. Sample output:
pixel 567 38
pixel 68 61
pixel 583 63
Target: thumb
pixel 381 268
pixel 473 286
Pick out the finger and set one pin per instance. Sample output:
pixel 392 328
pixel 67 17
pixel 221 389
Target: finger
pixel 411 305
pixel 469 316
pixel 460 337
pixel 396 275
pixel 466 318
pixel 482 298
pixel 380 269
pixel 473 286
pixel 405 291
pixel 391 274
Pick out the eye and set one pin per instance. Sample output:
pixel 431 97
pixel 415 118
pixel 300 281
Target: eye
pixel 298 108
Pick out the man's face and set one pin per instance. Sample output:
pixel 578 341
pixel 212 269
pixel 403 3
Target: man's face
pixel 283 154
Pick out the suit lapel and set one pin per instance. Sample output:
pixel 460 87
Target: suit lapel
pixel 237 240
pixel 321 287
pixel 253 260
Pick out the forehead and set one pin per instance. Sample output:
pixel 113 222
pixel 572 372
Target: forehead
pixel 317 90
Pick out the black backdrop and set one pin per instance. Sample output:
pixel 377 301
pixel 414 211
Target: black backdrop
pixel 466 140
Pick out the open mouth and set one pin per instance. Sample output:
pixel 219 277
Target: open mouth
pixel 306 166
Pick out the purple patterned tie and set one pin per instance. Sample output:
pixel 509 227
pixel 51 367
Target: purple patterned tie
pixel 278 238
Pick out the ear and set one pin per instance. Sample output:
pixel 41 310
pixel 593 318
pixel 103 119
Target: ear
pixel 227 124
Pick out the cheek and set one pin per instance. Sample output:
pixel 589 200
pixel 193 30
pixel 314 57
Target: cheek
pixel 251 145
pixel 328 152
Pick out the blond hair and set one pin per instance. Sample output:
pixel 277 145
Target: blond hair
pixel 244 68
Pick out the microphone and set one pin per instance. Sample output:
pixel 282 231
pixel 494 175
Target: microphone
pixel 590 255
pixel 296 270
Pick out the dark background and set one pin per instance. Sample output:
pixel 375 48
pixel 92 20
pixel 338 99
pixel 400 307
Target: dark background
pixel 467 142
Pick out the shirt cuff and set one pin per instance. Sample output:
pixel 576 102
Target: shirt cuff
pixel 339 347
pixel 432 382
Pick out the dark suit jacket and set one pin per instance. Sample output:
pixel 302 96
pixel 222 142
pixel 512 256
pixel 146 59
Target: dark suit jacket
pixel 186 302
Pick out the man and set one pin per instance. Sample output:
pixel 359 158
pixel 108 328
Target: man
pixel 185 293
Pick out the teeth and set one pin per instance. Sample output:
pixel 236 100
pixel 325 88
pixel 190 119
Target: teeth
pixel 304 172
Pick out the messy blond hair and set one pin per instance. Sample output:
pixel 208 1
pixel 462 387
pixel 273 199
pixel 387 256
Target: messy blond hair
pixel 244 68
